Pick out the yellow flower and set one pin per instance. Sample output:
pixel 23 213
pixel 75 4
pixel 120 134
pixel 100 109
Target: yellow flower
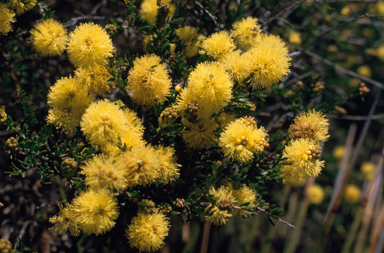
pixel 380 52
pixel 303 159
pixel 103 122
pixel 211 85
pixel 352 194
pixel 49 37
pixel 315 194
pixel 223 119
pixel 89 45
pixel 3 114
pixel 142 164
pixel 148 231
pixel 291 178
pixel 241 139
pixel 311 125
pixel 21 6
pixel 367 170
pixel 245 32
pixel 242 195
pixel 365 70
pixel 217 45
pixel 236 65
pixel 189 38
pixel 68 100
pixel 338 152
pixel 148 9
pixel 66 221
pixel 199 134
pixel 218 212
pixel 268 61
pixel 7 17
pixel 105 172
pixel 295 38
pixel 149 81
pixel 169 169
pixel 96 79
pixel 95 211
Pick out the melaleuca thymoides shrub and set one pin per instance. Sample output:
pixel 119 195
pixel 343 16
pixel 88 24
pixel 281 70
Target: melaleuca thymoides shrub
pixel 212 143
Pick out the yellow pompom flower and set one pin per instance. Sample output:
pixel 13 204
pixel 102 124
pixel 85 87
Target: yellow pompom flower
pixel 242 195
pixel 338 152
pixel 21 6
pixel 211 85
pixel 367 170
pixel 245 32
pixel 103 122
pixel 148 9
pixel 290 177
pixel 189 38
pixel 105 172
pixel 89 44
pixel 302 157
pixel 95 211
pixel 315 194
pixel 149 81
pixel 49 37
pixel 66 221
pixel 295 38
pixel 217 45
pixel 241 139
pixel 380 52
pixel 7 17
pixel 199 134
pixel 352 194
pixel 68 100
pixel 218 212
pixel 268 61
pixel 96 79
pixel 364 70
pixel 311 125
pixel 236 65
pixel 169 169
pixel 142 164
pixel 148 231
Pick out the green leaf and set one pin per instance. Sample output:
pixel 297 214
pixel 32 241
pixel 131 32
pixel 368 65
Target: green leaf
pixel 175 213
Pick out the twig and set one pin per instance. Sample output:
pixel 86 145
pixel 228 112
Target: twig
pixel 206 11
pixel 351 117
pixel 283 11
pixel 73 21
pixel 273 216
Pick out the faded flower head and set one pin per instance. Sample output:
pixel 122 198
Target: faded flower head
pixel 217 45
pixel 148 231
pixel 68 100
pixel 149 80
pixel 96 79
pixel 7 17
pixel 21 6
pixel 241 139
pixel 66 221
pixel 49 37
pixel 311 125
pixel 89 44
pixel 219 211
pixel 268 61
pixel 3 114
pixel 169 169
pixel 245 32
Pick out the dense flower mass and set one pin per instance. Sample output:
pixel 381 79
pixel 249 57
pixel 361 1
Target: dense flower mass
pixel 199 134
pixel 148 9
pixel 189 38
pixel 242 194
pixel 21 6
pixel 149 80
pixel 66 221
pixel 49 37
pixel 148 231
pixel 89 45
pixel 245 32
pixel 96 79
pixel 217 45
pixel 169 169
pixel 7 17
pixel 218 212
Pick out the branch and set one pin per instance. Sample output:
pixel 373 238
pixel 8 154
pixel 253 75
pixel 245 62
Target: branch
pixel 273 216
pixel 283 11
pixel 73 21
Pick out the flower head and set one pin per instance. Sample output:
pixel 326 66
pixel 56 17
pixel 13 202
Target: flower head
pixel 236 65
pixel 7 17
pixel 105 172
pixel 302 159
pixel 315 194
pixel 189 38
pixel 3 114
pixel 352 194
pixel 49 37
pixel 103 122
pixel 149 80
pixel 268 61
pixel 220 210
pixel 169 169
pixel 338 152
pixel 367 170
pixel 295 38
pixel 89 45
pixel 217 45
pixel 148 231
pixel 241 139
pixel 199 134
pixel 245 32
pixel 242 195
pixel 95 211
pixel 148 9
pixel 68 100
pixel 311 125
pixel 96 79
pixel 21 6
pixel 66 221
